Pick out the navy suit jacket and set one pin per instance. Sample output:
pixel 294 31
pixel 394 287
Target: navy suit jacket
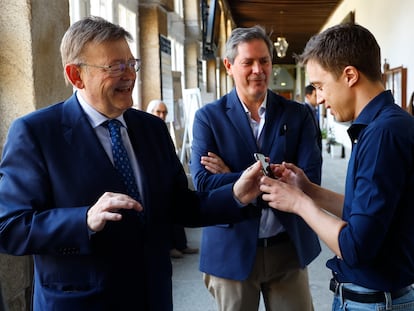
pixel 223 127
pixel 53 169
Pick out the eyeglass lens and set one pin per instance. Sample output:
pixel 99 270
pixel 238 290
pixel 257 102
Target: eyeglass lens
pixel 134 64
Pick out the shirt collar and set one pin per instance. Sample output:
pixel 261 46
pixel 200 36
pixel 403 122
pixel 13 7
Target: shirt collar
pixel 262 108
pixel 368 114
pixel 95 117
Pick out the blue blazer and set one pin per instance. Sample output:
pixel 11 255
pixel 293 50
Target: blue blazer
pixel 223 127
pixel 53 169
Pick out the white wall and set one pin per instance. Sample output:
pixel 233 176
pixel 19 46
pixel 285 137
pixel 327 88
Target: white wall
pixel 392 23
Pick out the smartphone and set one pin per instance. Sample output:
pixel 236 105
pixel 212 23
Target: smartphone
pixel 265 165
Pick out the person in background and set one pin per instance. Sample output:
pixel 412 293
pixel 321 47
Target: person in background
pixel 158 108
pixel 267 254
pixel 370 229
pixel 311 102
pixel 97 228
pixel 178 236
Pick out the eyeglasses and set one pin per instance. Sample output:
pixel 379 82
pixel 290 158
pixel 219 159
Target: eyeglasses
pixel 117 70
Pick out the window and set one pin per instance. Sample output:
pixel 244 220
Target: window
pixel 395 79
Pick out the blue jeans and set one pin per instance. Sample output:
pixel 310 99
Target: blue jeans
pixel 403 303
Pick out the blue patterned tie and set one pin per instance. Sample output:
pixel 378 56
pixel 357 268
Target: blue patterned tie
pixel 121 160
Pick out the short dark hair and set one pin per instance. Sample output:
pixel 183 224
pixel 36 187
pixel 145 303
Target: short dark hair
pixel 309 89
pixel 344 45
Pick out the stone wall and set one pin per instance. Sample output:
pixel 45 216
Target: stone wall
pixel 31 77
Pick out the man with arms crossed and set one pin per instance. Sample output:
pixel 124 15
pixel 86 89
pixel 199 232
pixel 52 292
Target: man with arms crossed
pixel 269 253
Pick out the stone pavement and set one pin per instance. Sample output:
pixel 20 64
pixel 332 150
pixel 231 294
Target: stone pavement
pixel 189 293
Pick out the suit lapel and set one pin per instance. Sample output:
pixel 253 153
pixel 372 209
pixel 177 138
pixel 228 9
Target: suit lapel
pixel 273 127
pixel 78 133
pixel 240 121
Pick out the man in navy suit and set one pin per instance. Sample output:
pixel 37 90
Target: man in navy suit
pixel 63 201
pixel 311 102
pixel 267 254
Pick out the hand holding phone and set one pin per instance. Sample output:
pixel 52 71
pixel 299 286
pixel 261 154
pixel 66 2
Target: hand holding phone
pixel 265 165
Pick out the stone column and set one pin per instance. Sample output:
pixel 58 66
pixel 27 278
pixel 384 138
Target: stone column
pixel 192 44
pixel 31 77
pixel 153 22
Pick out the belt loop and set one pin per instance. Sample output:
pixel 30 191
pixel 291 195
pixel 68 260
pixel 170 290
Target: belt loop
pixel 341 286
pixel 337 284
pixel 388 301
pixel 265 242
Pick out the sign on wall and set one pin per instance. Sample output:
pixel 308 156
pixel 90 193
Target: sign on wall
pixel 166 76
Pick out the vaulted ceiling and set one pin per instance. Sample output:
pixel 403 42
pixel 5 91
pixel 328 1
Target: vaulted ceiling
pixel 297 20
